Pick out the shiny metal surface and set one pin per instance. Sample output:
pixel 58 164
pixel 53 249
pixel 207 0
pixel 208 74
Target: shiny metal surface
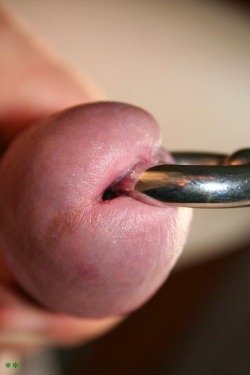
pixel 221 181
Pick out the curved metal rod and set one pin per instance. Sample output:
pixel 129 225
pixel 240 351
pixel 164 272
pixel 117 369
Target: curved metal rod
pixel 199 186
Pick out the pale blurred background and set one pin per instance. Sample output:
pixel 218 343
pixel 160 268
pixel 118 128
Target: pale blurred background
pixel 186 62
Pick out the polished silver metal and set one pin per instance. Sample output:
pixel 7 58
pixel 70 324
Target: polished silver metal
pixel 200 180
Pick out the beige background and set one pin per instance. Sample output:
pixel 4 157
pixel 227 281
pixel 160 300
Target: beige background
pixel 187 62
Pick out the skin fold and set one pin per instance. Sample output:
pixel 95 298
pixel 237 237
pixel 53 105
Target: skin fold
pixel 76 253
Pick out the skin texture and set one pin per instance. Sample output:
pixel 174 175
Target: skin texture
pixel 76 253
pixel 34 83
pixel 26 326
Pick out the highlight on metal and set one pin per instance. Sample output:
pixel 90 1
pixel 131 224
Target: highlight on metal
pixel 203 180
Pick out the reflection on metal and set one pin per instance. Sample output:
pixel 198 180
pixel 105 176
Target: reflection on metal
pixel 221 181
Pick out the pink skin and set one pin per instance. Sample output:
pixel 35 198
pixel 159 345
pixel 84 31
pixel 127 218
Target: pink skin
pixel 68 248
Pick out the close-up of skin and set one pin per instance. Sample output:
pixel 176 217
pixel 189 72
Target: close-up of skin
pixel 70 256
pixel 107 256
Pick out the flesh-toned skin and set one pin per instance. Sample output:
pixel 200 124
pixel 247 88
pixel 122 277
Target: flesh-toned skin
pixel 33 85
pixel 76 253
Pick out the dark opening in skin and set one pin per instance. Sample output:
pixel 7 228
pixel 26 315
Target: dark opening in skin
pixel 109 194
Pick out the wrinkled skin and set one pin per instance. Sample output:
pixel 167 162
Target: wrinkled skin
pixel 69 249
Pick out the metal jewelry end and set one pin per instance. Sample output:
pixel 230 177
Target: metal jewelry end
pixel 199 180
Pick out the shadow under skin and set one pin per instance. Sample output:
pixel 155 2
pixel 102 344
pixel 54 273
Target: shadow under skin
pixel 196 324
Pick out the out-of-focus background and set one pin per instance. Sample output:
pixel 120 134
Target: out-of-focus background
pixel 188 63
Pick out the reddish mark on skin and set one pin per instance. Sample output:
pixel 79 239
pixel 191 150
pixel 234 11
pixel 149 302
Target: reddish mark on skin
pixel 129 181
pixel 87 272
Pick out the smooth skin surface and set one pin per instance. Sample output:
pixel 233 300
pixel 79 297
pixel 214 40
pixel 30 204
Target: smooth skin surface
pixel 76 253
pixel 107 257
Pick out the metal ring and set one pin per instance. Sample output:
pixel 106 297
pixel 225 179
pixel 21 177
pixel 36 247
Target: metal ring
pixel 221 180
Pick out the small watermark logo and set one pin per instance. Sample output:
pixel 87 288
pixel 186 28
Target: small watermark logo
pixel 14 364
